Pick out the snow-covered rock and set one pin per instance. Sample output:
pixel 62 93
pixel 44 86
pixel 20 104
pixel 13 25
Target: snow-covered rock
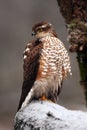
pixel 44 115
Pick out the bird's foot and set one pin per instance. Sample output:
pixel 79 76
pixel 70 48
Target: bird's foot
pixel 43 98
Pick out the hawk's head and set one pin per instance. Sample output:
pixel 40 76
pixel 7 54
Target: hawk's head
pixel 43 29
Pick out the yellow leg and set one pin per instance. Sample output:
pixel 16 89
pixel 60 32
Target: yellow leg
pixel 43 98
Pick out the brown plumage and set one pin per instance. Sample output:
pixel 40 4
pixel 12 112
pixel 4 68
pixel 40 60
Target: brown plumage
pixel 46 65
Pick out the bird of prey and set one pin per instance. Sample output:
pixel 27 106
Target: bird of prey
pixel 46 65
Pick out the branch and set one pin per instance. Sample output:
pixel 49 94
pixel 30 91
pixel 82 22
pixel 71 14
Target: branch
pixel 43 115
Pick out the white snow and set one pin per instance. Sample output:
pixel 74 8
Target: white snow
pixel 44 115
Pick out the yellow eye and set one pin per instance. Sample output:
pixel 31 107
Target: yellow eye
pixel 40 30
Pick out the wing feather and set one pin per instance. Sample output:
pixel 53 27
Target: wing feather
pixel 31 65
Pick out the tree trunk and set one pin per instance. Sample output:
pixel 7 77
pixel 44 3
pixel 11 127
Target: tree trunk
pixel 75 14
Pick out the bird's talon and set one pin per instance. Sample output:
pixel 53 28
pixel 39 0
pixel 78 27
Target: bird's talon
pixel 44 98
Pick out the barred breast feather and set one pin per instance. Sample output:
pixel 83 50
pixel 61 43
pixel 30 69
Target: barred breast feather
pixel 53 67
pixel 46 65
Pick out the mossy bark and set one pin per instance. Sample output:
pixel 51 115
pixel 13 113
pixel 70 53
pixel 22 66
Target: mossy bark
pixel 75 14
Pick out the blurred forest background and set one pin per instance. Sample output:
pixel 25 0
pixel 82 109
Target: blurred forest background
pixel 16 20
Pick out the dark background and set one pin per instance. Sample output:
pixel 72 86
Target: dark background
pixel 16 20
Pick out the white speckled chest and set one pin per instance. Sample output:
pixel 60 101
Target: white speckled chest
pixel 53 68
pixel 54 57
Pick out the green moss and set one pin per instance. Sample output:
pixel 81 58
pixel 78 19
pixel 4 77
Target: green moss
pixel 82 26
pixel 83 71
pixel 82 61
pixel 86 96
pixel 75 23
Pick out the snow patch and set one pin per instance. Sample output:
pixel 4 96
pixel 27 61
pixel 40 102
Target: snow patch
pixel 44 115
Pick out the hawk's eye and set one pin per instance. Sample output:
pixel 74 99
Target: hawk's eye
pixel 40 30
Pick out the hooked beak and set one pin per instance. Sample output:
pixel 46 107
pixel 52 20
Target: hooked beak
pixel 33 33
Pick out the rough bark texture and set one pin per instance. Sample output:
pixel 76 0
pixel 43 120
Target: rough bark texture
pixel 49 116
pixel 75 14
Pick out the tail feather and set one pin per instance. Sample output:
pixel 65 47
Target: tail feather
pixel 25 90
pixel 28 98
